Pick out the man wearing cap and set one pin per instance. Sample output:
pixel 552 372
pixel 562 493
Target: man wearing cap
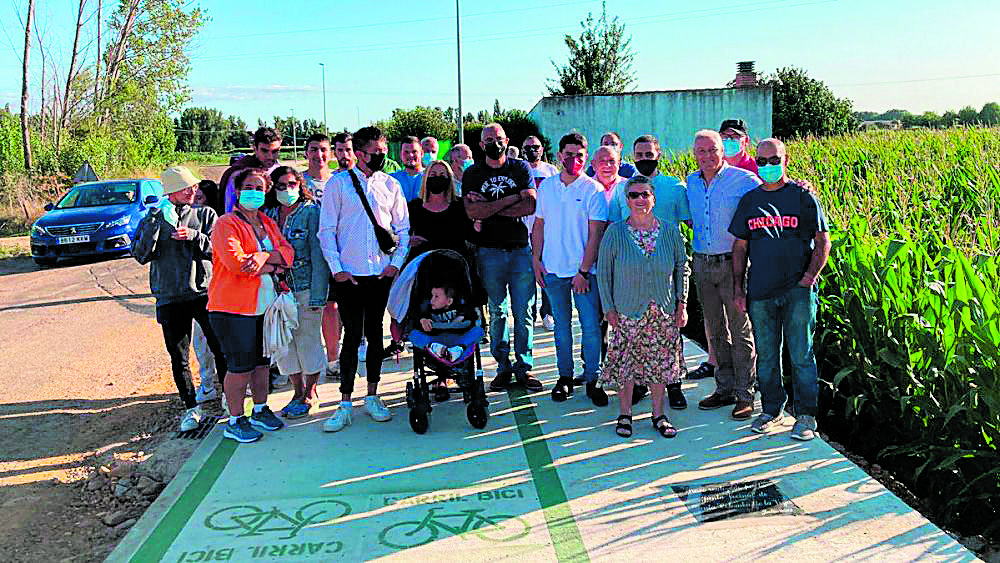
pixel 175 239
pixel 613 139
pixel 713 192
pixel 735 141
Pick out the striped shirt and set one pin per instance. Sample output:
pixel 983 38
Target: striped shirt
pixel 345 231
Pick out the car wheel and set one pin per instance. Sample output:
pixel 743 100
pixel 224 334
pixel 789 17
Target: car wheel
pixel 45 262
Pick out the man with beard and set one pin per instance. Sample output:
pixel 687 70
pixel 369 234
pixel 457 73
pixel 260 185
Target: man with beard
pixel 499 193
pixel 410 176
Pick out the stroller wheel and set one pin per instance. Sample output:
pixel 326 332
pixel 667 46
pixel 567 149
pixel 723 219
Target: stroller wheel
pixel 477 414
pixel 419 421
pixel 409 394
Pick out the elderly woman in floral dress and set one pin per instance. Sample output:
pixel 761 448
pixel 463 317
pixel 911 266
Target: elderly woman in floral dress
pixel 642 274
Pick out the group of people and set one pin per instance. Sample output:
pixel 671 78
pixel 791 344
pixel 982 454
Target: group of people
pixel 605 240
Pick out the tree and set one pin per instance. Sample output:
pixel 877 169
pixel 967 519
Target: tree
pixel 236 133
pixel 25 134
pixel 201 130
pixel 420 122
pixel 949 119
pixel 806 106
pixel 599 62
pixel 968 115
pixel 990 114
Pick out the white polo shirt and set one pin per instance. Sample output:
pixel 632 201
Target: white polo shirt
pixel 567 211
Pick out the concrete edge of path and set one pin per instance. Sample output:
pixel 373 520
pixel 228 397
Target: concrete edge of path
pixel 147 525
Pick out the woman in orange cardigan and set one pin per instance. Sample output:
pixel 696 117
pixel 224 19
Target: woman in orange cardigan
pixel 247 248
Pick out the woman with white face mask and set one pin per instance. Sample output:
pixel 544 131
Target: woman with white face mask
pixel 296 213
pixel 247 249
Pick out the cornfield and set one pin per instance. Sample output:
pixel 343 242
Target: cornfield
pixel 908 334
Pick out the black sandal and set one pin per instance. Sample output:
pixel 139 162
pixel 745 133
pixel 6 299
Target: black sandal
pixel 624 426
pixel 704 370
pixel 663 426
pixel 395 348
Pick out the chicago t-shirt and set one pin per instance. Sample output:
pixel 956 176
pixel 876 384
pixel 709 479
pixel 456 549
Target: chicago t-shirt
pixel 496 183
pixel 779 227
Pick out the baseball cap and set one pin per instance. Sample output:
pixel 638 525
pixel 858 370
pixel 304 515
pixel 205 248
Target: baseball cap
pixel 176 178
pixel 736 124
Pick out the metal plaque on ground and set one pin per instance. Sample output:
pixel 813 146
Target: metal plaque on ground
pixel 711 502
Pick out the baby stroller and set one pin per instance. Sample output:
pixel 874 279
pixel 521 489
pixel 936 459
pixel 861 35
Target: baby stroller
pixel 428 270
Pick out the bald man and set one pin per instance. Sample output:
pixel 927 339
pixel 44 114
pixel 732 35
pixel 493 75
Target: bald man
pixel 498 194
pixel 780 227
pixel 713 191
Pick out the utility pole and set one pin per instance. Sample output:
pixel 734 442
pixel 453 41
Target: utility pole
pixel 295 142
pixel 458 44
pixel 326 130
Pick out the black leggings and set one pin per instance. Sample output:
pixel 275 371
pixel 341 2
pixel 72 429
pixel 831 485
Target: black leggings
pixel 362 308
pixel 175 319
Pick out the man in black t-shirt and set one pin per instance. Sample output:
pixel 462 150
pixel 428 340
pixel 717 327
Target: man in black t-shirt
pixel 781 228
pixel 498 193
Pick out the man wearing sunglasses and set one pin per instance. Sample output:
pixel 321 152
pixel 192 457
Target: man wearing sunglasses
pixel 780 227
pixel 713 193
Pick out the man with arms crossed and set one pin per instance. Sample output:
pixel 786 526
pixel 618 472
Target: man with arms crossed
pixel 499 193
pixel 713 192
pixel 781 229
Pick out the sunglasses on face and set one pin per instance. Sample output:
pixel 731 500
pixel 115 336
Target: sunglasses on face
pixel 637 195
pixel 762 161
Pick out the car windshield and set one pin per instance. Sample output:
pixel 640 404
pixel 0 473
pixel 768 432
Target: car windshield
pixel 93 195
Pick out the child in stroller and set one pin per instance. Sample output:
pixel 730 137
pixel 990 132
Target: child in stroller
pixel 447 324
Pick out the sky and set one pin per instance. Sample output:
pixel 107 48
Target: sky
pixel 259 59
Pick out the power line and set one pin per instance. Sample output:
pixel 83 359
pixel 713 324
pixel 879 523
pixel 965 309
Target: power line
pixel 909 80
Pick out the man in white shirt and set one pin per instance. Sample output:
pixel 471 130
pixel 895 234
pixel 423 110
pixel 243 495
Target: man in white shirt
pixel 533 149
pixel 570 217
pixel 411 174
pixel 363 270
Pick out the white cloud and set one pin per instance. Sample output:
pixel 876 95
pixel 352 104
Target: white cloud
pixel 248 93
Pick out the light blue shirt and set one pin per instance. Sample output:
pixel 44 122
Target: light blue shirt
pixel 712 207
pixel 671 205
pixel 410 184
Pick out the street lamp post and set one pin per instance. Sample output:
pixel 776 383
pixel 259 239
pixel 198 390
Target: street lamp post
pixel 458 43
pixel 326 130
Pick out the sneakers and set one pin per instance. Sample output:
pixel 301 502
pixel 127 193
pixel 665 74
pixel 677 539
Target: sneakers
pixel 563 389
pixel 203 395
pixel 549 323
pixel 438 350
pixel 340 419
pixel 265 419
pixel 704 370
pixel 502 381
pixel 597 394
pixel 333 370
pixel 296 409
pixel 377 409
pixel 676 397
pixel 454 353
pixel 766 423
pixel 191 419
pixel 715 401
pixel 241 431
pixel 805 428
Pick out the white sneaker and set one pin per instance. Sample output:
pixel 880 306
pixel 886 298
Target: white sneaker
pixel 455 352
pixel 341 418
pixel 549 323
pixel 191 419
pixel 437 349
pixel 363 351
pixel 376 409
pixel 333 369
pixel 203 395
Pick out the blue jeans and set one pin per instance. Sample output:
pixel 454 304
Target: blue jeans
pixel 504 271
pixel 791 317
pixel 588 308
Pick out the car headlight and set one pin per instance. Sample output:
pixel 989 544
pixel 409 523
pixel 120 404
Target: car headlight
pixel 119 222
pixel 37 231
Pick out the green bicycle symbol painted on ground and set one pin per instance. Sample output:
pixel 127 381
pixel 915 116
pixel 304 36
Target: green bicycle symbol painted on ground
pixel 253 521
pixel 494 528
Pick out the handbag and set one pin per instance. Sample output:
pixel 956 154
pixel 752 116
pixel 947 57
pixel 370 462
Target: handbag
pixel 281 318
pixel 388 241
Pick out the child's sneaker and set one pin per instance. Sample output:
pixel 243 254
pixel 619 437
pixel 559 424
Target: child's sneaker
pixel 438 350
pixel 455 352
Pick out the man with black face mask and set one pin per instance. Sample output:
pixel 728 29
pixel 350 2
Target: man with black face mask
pixel 362 270
pixel 671 196
pixel 499 193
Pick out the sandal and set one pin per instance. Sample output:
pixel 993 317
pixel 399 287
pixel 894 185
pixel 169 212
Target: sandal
pixel 394 349
pixel 663 426
pixel 624 426
pixel 704 370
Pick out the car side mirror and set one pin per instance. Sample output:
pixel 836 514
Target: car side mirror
pixel 151 199
pixel 49 207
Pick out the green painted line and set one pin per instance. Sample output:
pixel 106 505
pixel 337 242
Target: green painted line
pixel 559 519
pixel 170 526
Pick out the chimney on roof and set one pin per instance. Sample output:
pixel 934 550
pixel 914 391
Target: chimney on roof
pixel 745 75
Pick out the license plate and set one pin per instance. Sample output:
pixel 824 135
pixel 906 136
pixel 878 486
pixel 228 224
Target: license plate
pixel 71 240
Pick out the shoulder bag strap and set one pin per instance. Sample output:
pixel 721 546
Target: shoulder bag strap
pixel 364 200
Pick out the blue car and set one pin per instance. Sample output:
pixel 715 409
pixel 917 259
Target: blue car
pixel 93 219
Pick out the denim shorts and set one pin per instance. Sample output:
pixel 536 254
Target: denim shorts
pixel 242 340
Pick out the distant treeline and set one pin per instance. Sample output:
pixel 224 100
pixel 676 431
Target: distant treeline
pixel 989 115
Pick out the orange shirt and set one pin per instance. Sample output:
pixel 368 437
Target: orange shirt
pixel 230 290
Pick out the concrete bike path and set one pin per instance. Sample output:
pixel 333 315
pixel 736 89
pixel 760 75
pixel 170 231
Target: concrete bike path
pixel 542 482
